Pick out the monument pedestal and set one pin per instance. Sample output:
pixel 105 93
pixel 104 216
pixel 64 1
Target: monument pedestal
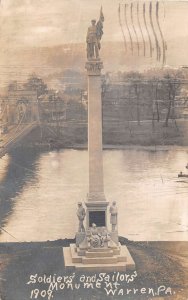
pixel 114 237
pixel 80 236
pixel 96 213
pixel 112 259
pixel 98 249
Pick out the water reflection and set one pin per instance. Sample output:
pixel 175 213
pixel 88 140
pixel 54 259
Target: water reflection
pixel 152 201
pixel 16 170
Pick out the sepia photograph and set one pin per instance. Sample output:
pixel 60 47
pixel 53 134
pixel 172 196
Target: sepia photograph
pixel 94 149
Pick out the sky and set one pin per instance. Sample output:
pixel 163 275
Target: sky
pixel 52 22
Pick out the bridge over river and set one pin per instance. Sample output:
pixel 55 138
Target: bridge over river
pixel 19 115
pixel 14 136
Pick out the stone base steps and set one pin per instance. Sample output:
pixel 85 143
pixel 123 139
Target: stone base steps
pixel 95 251
pixel 97 260
pixel 90 254
pixel 99 250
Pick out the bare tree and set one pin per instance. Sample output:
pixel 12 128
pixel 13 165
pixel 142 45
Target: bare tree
pixel 136 83
pixel 172 84
pixel 153 98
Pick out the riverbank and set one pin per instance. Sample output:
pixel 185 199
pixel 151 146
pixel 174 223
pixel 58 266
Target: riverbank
pixel 119 134
pixel 47 147
pixel 157 264
pixel 135 147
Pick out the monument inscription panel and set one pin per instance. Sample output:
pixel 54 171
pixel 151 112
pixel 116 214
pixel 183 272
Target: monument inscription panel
pixel 98 218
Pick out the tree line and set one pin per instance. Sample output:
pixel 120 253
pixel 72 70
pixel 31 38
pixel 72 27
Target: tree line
pixel 158 90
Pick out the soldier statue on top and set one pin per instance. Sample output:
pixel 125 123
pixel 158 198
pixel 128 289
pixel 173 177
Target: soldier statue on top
pixel 94 35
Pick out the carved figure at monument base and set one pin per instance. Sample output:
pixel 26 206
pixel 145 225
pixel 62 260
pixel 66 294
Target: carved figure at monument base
pixel 113 216
pixel 81 216
pixel 98 237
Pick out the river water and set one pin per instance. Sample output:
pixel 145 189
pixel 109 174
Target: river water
pixel 40 191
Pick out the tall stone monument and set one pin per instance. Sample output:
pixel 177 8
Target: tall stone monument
pixel 96 203
pixel 96 246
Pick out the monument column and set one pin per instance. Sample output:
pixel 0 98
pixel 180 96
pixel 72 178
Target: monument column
pixel 96 187
pixel 96 202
